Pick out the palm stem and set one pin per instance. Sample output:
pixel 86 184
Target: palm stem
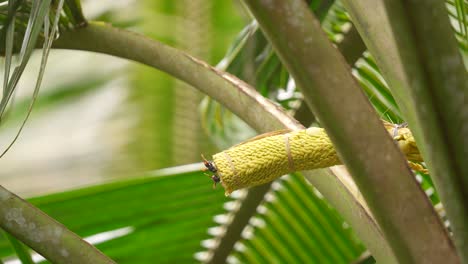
pixel 237 96
pixel 378 168
pixel 43 234
pixel 420 60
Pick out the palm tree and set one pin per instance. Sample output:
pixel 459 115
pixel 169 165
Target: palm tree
pixel 412 70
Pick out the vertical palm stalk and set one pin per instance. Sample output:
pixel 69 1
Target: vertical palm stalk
pixel 362 144
pixel 417 52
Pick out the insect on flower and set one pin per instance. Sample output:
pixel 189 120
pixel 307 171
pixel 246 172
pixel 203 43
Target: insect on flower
pixel 212 168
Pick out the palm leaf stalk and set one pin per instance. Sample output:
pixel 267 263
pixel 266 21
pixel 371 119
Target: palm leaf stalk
pixel 235 95
pixel 442 116
pixel 42 233
pixel 248 203
pixel 317 66
pixel 427 77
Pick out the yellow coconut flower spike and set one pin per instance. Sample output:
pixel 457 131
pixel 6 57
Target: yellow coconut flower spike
pixel 266 157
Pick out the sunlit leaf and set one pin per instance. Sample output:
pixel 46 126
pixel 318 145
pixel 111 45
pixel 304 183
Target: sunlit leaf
pixel 137 221
pixel 21 250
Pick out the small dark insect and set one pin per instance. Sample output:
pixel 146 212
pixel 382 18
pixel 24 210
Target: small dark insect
pixel 211 167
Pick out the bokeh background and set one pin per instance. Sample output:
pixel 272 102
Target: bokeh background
pixel 99 118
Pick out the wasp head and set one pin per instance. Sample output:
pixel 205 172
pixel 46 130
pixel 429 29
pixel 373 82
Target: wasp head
pixel 209 166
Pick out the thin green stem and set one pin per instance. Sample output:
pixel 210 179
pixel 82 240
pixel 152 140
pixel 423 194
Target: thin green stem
pixel 73 8
pixel 21 250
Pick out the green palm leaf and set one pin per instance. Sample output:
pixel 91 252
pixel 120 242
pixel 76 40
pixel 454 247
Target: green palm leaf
pixel 154 215
pixel 295 224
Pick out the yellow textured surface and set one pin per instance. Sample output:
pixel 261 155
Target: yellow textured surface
pixel 263 160
pixel 405 140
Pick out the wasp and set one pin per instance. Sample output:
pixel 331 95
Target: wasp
pixel 210 166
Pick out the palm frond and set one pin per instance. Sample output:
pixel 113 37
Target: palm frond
pixel 38 23
pixel 178 203
pixel 296 225
pixel 20 249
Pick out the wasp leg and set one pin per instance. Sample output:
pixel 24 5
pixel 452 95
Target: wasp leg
pixel 418 167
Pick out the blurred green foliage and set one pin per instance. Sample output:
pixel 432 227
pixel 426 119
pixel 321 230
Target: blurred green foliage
pixel 160 139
